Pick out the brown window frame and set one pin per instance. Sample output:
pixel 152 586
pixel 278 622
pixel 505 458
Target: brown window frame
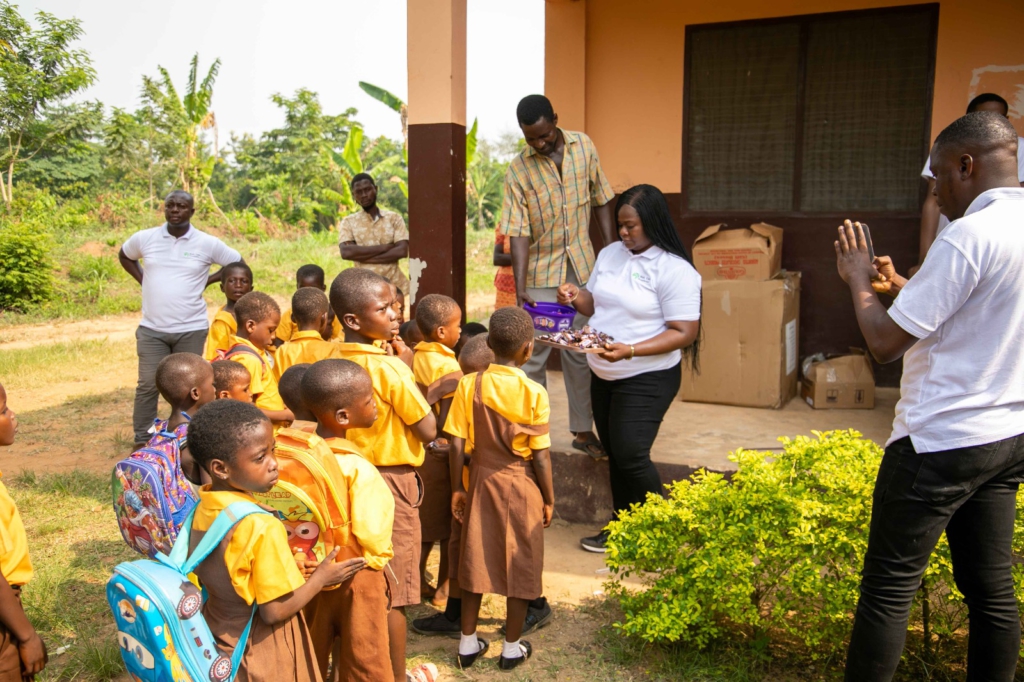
pixel 803 21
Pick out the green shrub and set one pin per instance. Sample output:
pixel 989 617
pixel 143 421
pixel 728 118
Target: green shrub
pixel 26 268
pixel 774 554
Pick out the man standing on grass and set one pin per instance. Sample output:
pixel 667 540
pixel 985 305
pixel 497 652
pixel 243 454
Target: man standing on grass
pixel 374 238
pixel 550 189
pixel 177 259
pixel 956 454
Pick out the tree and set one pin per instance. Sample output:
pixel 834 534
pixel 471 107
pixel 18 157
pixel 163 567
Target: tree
pixel 39 71
pixel 137 151
pixel 485 177
pixel 184 119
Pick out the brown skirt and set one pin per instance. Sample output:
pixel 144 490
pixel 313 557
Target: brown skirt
pixel 278 653
pixel 357 614
pixel 502 544
pixel 454 550
pixel 436 510
pixel 407 488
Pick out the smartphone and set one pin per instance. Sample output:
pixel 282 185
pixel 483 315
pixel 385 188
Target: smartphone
pixel 867 238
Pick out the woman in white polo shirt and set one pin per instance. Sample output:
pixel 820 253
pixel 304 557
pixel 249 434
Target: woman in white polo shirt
pixel 645 294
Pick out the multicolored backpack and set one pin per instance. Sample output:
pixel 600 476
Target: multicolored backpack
pixel 310 495
pixel 152 497
pixel 161 630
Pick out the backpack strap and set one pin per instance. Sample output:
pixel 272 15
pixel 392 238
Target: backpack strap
pixel 243 348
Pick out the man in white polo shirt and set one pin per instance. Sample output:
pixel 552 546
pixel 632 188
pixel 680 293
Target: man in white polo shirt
pixel 956 454
pixel 177 259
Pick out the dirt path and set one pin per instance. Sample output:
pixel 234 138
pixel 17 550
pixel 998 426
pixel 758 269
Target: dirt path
pixel 113 328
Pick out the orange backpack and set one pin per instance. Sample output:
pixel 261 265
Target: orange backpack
pixel 311 496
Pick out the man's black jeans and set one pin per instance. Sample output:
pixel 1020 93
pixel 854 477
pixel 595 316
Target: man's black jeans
pixel 971 494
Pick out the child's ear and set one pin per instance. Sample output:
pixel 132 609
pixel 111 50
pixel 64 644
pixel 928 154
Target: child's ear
pixel 351 320
pixel 341 417
pixel 221 395
pixel 250 326
pixel 218 468
pixel 194 394
pixel 324 322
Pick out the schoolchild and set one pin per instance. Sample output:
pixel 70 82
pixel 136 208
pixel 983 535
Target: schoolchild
pixel 22 652
pixel 394 444
pixel 310 311
pixel 234 442
pixel 437 373
pixel 231 380
pixel 258 316
pixel 307 276
pixel 290 387
pixel 185 381
pixel 235 283
pixel 501 418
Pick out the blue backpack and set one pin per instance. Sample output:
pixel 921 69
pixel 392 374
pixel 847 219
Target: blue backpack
pixel 152 497
pixel 161 629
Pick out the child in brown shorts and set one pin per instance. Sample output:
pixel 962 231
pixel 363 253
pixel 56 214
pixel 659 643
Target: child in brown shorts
pixel 394 443
pixel 437 373
pixel 501 418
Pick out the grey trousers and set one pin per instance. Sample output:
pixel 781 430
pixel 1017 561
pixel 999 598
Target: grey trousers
pixel 575 369
pixel 152 347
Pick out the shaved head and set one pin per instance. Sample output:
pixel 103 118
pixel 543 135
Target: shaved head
pixel 178 374
pixel 476 355
pixel 353 290
pixel 975 153
pixel 332 385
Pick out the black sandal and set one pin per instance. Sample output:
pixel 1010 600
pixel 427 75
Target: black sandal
pixel 593 448
pixel 466 660
pixel 510 663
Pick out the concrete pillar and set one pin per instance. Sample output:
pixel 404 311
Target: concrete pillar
pixel 437 148
pixel 565 61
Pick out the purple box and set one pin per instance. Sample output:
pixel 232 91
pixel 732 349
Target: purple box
pixel 551 317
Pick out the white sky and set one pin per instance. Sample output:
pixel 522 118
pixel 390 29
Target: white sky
pixel 327 46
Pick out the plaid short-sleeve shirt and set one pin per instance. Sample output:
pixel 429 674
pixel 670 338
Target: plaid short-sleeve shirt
pixel 553 210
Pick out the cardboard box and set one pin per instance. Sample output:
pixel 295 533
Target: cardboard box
pixel 843 382
pixel 750 352
pixel 753 253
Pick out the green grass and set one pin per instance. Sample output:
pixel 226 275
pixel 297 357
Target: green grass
pixel 74 544
pixel 61 362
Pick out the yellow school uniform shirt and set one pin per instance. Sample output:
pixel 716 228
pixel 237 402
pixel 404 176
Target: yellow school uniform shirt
pixel 258 558
pixel 509 392
pixel 433 361
pixel 371 504
pixel 14 562
pixel 287 329
pixel 306 346
pixel 262 383
pixel 389 442
pixel 223 327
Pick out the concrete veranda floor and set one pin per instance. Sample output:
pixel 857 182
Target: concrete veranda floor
pixel 702 435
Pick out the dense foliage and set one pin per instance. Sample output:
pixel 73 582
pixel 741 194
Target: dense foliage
pixel 773 555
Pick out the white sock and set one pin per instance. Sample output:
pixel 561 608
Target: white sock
pixel 512 649
pixel 469 645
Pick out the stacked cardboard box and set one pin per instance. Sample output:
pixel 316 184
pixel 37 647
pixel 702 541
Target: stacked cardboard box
pixel 846 381
pixel 750 318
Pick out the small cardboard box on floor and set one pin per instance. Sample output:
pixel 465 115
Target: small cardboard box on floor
pixel 843 382
pixel 750 253
pixel 749 356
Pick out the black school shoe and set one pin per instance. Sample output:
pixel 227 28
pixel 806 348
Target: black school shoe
pixel 510 663
pixel 535 618
pixel 596 543
pixel 467 660
pixel 438 624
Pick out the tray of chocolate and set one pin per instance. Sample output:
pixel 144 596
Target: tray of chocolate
pixel 586 340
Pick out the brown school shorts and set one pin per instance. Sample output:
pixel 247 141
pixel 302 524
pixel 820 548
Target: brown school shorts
pixel 407 488
pixel 10 660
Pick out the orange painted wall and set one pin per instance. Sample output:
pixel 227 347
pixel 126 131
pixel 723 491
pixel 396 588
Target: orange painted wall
pixel 634 70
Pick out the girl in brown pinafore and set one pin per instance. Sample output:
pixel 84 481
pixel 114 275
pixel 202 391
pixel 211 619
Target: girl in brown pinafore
pixel 233 441
pixel 501 417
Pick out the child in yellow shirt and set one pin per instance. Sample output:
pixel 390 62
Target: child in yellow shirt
pixel 235 283
pixel 257 315
pixel 340 394
pixel 22 652
pixel 234 443
pixel 437 373
pixel 309 313
pixel 231 380
pixel 185 381
pixel 308 276
pixel 291 392
pixel 501 417
pixel 394 443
